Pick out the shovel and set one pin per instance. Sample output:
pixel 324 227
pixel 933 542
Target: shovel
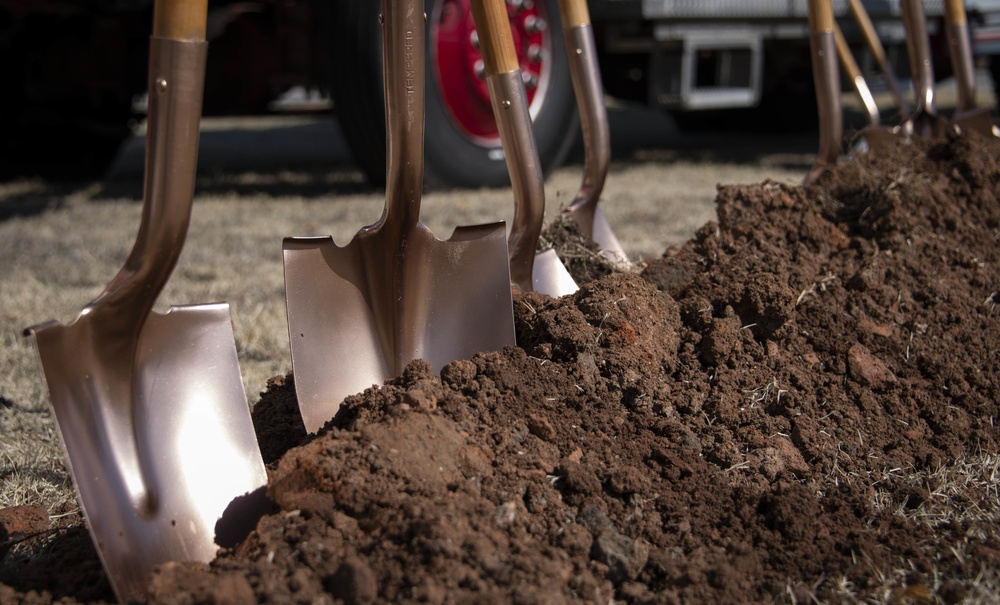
pixel 826 78
pixel 926 122
pixel 578 35
pixel 967 115
pixel 853 72
pixel 864 21
pixel 529 270
pixel 875 135
pixel 358 314
pixel 151 408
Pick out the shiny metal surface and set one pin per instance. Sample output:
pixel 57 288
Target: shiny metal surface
pixel 967 115
pixel 151 408
pixel 550 275
pixel 826 78
pixel 874 136
pixel 358 314
pixel 925 119
pixel 529 271
pixel 874 44
pixel 589 91
pixel 857 80
pixel 510 108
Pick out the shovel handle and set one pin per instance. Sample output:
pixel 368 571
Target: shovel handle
pixel 878 53
pixel 847 61
pixel 403 68
pixel 180 19
pixel 495 37
pixel 954 12
pixel 868 30
pixel 820 16
pixel 854 74
pixel 510 109
pixel 574 13
pixel 826 79
pixel 960 51
pixel 918 45
pixel 589 91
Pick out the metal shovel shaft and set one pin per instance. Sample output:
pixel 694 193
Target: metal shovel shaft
pixel 967 115
pixel 826 78
pixel 864 21
pixel 926 121
pixel 403 38
pixel 960 51
pixel 589 91
pixel 510 109
pixel 854 75
pixel 578 36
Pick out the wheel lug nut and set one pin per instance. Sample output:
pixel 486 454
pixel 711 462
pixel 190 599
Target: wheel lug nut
pixel 474 39
pixel 530 80
pixel 534 24
pixel 535 53
pixel 479 68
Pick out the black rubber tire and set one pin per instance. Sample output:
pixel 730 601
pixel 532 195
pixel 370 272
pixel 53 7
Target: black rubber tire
pixel 59 141
pixel 995 76
pixel 451 158
pixel 356 82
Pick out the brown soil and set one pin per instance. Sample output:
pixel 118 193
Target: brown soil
pixel 715 430
pixel 580 254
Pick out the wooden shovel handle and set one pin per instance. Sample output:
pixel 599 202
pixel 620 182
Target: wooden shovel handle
pixel 847 61
pixel 820 16
pixel 574 13
pixel 868 29
pixel 495 38
pixel 180 19
pixel 955 12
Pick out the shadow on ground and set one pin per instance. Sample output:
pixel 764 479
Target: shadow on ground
pixel 306 156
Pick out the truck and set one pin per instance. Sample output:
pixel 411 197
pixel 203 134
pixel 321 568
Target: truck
pixel 73 69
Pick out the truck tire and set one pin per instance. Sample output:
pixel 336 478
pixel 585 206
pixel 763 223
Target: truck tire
pixel 462 147
pixel 995 76
pixel 53 123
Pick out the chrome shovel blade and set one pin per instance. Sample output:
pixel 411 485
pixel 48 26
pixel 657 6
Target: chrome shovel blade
pixel 550 276
pixel 155 462
pixel 351 326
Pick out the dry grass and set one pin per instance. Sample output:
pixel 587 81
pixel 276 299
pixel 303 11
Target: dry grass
pixel 965 493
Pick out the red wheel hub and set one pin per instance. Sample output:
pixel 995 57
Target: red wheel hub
pixel 458 62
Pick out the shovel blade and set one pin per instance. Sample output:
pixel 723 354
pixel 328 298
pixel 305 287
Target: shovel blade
pixel 358 314
pixel 550 277
pixel 978 120
pixel 611 248
pixel 153 476
pixel 878 138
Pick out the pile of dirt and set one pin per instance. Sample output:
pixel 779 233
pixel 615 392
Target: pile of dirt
pixel 581 255
pixel 737 424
